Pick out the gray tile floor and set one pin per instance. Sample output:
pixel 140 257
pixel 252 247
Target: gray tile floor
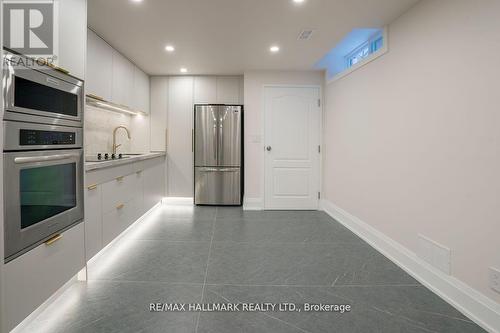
pixel 213 255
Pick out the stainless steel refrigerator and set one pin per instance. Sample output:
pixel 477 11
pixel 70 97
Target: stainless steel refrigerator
pixel 218 154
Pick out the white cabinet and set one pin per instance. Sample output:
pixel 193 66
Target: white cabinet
pixel 158 113
pixel 114 78
pixel 35 276
pixel 99 67
pixel 205 90
pixel 218 90
pixel 122 195
pixel 114 223
pixel 72 31
pixel 180 154
pixel 154 180
pixel 93 220
pixel 141 91
pixel 123 80
pixel 228 90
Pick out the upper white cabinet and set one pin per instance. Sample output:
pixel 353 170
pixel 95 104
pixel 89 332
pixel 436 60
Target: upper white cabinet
pixel 72 36
pixel 114 78
pixel 205 89
pixel 99 67
pixel 123 80
pixel 228 90
pixel 218 90
pixel 141 91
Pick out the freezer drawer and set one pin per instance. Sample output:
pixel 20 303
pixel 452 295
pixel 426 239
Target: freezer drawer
pixel 217 186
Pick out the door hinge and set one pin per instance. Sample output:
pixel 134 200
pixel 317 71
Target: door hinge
pixel 319 195
pixel 319 103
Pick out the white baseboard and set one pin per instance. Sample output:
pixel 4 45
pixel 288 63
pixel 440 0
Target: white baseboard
pixel 252 204
pixel 479 308
pixel 178 201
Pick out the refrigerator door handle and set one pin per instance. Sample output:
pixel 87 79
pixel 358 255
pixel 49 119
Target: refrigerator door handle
pixel 216 148
pixel 220 139
pixel 220 169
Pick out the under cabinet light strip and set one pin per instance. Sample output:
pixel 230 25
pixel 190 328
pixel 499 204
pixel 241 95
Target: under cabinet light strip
pixel 100 103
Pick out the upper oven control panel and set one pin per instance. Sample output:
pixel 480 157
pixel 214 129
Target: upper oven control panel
pixel 45 138
pixel 30 136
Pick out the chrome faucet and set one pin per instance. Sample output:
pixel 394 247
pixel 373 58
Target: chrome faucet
pixel 115 146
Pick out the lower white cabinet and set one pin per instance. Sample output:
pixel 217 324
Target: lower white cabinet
pixel 114 222
pixel 36 275
pixel 93 220
pixel 154 189
pixel 118 197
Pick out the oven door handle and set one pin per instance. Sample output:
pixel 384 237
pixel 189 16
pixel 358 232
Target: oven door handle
pixel 34 159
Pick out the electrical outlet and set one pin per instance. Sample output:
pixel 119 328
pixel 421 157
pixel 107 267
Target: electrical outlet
pixel 495 279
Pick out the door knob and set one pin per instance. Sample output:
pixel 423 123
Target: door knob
pixel 268 148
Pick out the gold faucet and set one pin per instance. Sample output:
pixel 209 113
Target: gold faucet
pixel 115 146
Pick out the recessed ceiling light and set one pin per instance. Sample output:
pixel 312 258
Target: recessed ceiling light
pixel 169 48
pixel 299 1
pixel 184 70
pixel 274 49
pixel 136 1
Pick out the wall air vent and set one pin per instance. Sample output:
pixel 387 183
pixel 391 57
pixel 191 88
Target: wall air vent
pixel 305 35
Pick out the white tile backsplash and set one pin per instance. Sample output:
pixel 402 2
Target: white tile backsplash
pixel 99 126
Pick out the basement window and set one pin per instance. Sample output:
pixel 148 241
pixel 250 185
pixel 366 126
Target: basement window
pixel 369 47
pixel 358 48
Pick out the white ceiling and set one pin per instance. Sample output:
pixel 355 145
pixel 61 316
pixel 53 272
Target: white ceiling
pixel 231 36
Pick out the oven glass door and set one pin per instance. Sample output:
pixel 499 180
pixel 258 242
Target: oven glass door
pixel 36 93
pixel 46 191
pixel 35 96
pixel 43 196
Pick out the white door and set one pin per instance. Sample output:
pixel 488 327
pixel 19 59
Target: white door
pixel 292 155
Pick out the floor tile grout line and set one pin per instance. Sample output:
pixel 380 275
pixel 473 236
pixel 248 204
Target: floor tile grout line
pixel 206 268
pixel 258 285
pixel 318 286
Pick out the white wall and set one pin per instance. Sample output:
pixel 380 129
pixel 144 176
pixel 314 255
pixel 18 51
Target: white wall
pixel 413 138
pixel 254 82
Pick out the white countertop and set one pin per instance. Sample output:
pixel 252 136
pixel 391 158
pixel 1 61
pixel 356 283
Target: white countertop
pixel 90 166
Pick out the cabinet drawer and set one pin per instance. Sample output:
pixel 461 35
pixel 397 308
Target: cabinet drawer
pixel 121 190
pixel 114 222
pixel 136 208
pixel 120 218
pixel 35 276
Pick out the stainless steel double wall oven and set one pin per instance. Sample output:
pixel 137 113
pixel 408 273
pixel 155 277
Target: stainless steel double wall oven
pixel 43 153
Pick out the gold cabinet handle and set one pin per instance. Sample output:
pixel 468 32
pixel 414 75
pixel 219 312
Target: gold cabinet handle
pixel 119 179
pixel 96 97
pixel 57 68
pixel 120 206
pixel 92 187
pixel 62 70
pixel 53 239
